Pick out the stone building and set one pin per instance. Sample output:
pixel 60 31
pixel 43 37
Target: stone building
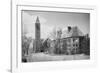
pixel 69 43
pixel 73 40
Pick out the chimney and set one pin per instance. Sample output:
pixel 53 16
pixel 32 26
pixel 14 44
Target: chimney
pixel 69 28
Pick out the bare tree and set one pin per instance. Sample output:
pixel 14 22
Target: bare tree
pixel 56 35
pixel 53 34
pixel 25 46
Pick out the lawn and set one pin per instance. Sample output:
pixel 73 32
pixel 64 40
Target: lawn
pixel 38 57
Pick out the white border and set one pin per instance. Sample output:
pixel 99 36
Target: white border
pixel 17 66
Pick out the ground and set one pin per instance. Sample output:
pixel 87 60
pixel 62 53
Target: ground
pixel 38 57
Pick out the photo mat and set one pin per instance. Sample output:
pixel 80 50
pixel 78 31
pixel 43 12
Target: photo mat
pixel 50 27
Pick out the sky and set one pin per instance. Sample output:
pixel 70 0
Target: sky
pixel 53 20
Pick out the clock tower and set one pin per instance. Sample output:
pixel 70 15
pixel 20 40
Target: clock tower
pixel 37 35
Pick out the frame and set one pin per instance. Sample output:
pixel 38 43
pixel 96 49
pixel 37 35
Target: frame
pixel 16 24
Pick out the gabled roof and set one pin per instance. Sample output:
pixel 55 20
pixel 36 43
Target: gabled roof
pixel 75 32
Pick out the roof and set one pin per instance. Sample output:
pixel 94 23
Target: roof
pixel 75 32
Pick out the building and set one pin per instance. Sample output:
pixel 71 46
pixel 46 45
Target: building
pixel 69 42
pixel 73 40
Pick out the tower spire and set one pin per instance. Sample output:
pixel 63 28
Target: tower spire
pixel 37 20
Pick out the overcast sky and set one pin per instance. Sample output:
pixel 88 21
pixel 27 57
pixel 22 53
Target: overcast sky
pixel 52 20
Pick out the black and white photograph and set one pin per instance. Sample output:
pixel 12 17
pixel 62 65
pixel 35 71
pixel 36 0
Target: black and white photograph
pixel 54 36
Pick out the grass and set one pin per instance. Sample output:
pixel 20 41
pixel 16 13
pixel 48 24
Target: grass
pixel 38 57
